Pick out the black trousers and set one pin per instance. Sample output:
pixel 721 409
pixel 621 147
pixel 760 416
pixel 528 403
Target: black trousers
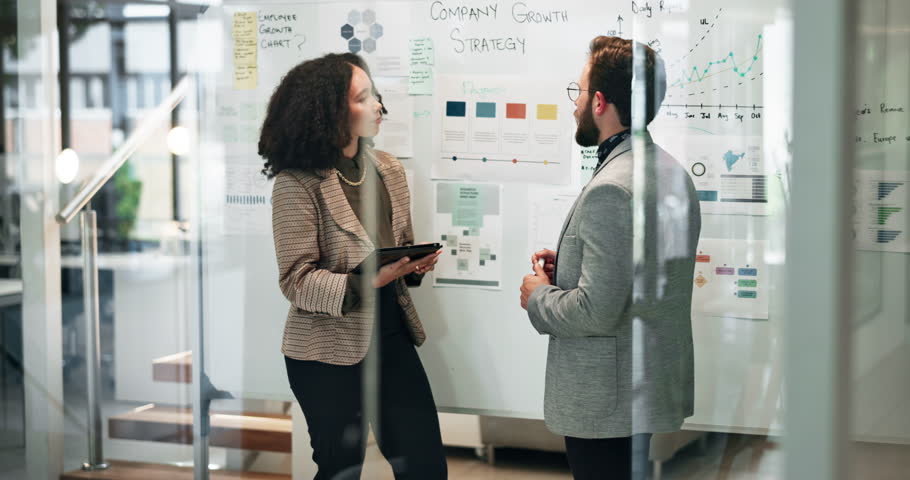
pixel 623 458
pixel 331 399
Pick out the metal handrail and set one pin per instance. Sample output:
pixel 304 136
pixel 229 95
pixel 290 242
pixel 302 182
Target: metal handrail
pixel 146 129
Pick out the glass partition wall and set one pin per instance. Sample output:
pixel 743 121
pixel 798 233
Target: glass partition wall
pixel 747 321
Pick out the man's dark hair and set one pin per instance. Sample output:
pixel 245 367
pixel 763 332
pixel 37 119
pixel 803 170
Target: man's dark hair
pixel 308 122
pixel 611 74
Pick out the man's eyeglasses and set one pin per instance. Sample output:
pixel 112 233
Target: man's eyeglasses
pixel 574 90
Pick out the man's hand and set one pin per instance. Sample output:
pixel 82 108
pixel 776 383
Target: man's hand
pixel 549 258
pixel 531 283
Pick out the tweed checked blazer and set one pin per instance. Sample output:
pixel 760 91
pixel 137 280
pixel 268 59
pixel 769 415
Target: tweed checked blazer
pixel 619 365
pixel 318 241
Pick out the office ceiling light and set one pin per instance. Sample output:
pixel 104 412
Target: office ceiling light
pixel 67 166
pixel 178 141
pixel 146 11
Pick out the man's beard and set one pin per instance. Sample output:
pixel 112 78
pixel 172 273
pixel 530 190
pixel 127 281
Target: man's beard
pixel 587 134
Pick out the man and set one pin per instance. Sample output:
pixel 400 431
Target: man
pixel 619 367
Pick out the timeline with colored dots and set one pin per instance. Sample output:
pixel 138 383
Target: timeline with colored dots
pixel 499 128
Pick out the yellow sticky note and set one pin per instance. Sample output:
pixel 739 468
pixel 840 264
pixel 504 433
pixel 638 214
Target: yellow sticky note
pixel 547 112
pixel 246 70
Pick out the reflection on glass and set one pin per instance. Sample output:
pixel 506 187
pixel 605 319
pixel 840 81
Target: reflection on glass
pixel 725 120
pixel 486 157
pixel 880 424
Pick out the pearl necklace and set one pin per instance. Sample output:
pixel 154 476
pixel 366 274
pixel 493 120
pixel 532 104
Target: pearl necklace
pixel 358 183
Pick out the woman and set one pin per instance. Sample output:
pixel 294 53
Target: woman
pixel 315 140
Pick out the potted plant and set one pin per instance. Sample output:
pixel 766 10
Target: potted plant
pixel 127 191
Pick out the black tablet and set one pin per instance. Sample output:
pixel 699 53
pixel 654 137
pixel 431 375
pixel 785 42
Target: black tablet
pixel 386 256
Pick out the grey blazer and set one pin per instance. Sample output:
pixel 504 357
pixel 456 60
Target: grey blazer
pixel 617 367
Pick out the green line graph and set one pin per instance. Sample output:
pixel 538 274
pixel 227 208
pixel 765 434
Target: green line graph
pixel 698 75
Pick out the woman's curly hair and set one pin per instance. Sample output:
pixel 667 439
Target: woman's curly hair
pixel 308 122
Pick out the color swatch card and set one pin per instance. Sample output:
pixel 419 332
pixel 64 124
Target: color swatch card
pixel 546 129
pixel 500 128
pixel 455 128
pixel 516 128
pixel 485 134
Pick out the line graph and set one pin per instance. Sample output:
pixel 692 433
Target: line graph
pixel 697 75
pixel 714 61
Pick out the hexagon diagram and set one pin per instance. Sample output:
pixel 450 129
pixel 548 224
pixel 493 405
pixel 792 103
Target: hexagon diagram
pixel 347 32
pixel 362 32
pixel 375 31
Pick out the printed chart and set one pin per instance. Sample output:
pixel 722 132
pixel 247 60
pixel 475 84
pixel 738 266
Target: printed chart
pixel 376 31
pixel 469 226
pixel 502 129
pixel 731 279
pixel 880 220
pixel 728 172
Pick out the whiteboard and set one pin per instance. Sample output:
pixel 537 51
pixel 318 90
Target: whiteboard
pixel 481 355
pixel 485 359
